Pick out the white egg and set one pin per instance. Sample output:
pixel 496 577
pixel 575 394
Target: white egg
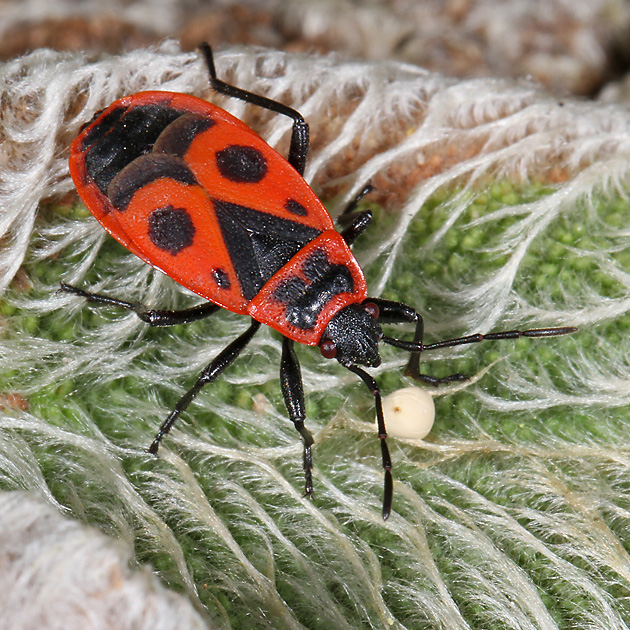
pixel 409 413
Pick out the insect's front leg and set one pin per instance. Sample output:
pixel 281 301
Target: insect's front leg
pixel 293 392
pixel 398 313
pixel 152 317
pixel 354 223
pixel 388 489
pixel 395 312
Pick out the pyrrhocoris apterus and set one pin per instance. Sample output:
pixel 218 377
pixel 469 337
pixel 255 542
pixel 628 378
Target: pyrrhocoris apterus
pixel 196 193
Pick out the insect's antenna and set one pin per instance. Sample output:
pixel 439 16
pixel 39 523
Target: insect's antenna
pixel 411 346
pixel 382 434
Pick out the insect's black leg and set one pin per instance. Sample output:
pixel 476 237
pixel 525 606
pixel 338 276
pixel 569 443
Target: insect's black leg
pixel 150 316
pixel 209 374
pixel 300 134
pixel 382 434
pixel 395 312
pixel 293 392
pixel 352 222
pixel 398 313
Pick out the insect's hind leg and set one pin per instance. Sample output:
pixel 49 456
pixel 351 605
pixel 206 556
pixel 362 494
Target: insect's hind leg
pixel 152 317
pixel 209 374
pixel 398 313
pixel 293 393
pixel 298 150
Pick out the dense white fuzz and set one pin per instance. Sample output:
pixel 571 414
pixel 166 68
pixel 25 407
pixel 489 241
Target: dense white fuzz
pixel 56 573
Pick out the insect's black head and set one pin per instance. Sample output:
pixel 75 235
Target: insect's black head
pixel 352 336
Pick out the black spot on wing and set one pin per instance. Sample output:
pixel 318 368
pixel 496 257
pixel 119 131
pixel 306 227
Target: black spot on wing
pixel 144 170
pixel 122 136
pixel 171 229
pixel 295 207
pixel 259 244
pixel 221 278
pixel 241 164
pixel 304 302
pixel 179 135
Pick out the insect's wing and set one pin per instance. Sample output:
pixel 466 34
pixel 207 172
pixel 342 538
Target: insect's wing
pixel 195 193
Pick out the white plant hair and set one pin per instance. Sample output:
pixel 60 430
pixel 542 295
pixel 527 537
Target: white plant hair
pixel 58 573
pixel 488 529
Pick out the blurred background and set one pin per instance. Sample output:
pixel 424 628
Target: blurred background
pixel 574 47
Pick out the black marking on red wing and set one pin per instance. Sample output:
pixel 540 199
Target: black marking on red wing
pixel 295 207
pixel 290 290
pixel 171 229
pixel 179 135
pixel 316 265
pixel 144 170
pixel 241 164
pixel 221 278
pixel 305 301
pixel 258 243
pixel 122 136
pixel 103 128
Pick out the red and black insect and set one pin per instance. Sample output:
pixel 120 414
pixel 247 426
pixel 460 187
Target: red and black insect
pixel 197 194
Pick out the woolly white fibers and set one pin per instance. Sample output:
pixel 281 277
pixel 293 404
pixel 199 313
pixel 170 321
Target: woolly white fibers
pixel 513 515
pixel 56 573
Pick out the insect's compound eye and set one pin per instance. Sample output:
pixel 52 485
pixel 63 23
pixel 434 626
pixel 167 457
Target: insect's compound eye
pixel 328 349
pixel 372 309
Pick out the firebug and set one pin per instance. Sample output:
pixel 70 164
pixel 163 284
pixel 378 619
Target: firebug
pixel 197 194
